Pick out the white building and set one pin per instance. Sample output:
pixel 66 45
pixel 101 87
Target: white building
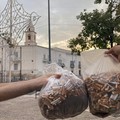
pixel 28 60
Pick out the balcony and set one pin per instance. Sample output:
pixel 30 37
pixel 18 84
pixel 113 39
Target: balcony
pixel 45 60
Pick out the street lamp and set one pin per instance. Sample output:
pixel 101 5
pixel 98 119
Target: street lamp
pixel 49 32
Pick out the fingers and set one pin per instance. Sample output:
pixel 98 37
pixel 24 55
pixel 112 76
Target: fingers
pixel 110 51
pixel 57 76
pixel 114 53
pixel 115 58
pixel 119 58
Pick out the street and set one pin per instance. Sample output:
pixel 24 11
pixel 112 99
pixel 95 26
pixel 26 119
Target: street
pixel 26 108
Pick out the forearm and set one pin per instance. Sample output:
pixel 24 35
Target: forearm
pixel 3 84
pixel 15 89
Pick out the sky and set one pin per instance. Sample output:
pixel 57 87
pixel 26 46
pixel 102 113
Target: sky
pixel 64 25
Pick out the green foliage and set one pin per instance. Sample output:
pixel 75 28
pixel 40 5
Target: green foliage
pixel 106 1
pixel 97 1
pixel 73 45
pixel 100 28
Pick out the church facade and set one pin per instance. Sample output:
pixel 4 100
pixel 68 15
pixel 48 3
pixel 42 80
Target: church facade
pixel 29 60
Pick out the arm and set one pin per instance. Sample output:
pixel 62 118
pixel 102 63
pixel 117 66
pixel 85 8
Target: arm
pixel 3 84
pixel 15 89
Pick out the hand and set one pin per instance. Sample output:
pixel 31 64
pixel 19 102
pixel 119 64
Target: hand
pixel 41 81
pixel 114 51
pixel 15 89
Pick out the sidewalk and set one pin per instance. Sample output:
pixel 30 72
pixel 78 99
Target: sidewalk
pixel 26 108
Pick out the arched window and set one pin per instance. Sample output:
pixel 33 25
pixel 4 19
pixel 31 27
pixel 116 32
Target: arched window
pixel 29 37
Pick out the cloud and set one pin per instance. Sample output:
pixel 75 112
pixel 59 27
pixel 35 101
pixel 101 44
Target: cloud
pixel 63 17
pixel 64 24
pixel 61 44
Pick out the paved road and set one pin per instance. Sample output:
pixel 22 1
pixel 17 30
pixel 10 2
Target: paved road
pixel 26 108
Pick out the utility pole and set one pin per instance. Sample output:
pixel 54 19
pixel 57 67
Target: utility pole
pixel 2 63
pixel 49 32
pixel 10 62
pixel 20 63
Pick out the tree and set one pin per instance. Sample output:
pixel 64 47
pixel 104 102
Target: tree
pixel 114 11
pixel 100 29
pixel 106 1
pixel 78 44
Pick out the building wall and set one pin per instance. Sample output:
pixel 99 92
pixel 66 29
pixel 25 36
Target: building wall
pixel 32 59
pixel 35 58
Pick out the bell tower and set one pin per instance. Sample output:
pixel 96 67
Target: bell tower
pixel 30 35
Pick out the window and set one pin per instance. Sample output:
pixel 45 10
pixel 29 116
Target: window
pixel 79 72
pixel 72 64
pixel 29 37
pixel 44 57
pixel 34 37
pixel 79 64
pixel 59 61
pixel 16 54
pixel 59 55
pixel 15 66
pixel 45 60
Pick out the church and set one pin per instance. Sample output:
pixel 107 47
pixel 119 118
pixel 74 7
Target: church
pixel 28 60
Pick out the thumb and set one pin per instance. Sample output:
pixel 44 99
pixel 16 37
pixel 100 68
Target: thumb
pixel 57 76
pixel 110 51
